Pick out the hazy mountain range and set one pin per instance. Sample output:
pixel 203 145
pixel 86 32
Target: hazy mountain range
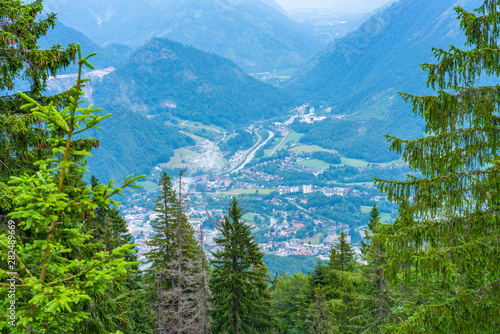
pixel 257 35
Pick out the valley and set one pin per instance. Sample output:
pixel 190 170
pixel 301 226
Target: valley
pixel 297 197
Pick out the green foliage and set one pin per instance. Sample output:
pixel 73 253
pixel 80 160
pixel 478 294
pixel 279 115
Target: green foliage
pixel 446 241
pixel 240 294
pixel 132 143
pixel 292 264
pixel 361 139
pixel 19 34
pixel 242 141
pixel 342 254
pixel 52 280
pixel 22 134
pixel 289 301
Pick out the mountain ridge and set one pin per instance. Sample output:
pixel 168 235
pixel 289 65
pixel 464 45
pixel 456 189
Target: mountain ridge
pixel 257 35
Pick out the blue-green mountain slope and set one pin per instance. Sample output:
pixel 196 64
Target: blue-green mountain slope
pixel 360 75
pixel 256 35
pixel 167 78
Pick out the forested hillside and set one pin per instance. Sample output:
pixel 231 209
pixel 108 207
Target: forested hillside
pixel 360 75
pixel 110 55
pixel 167 78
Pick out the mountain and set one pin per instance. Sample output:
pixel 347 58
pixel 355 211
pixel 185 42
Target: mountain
pixel 359 75
pixel 110 55
pixel 255 34
pixel 161 80
pixel 166 78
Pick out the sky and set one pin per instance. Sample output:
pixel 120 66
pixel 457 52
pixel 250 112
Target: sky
pixel 363 5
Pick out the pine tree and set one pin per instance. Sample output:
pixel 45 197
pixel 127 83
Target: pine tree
pixel 51 281
pixel 24 137
pixel 380 299
pixel 447 240
pixel 175 277
pixel 342 254
pixel 241 298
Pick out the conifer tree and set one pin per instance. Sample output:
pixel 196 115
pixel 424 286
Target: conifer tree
pixel 175 277
pixel 241 298
pixel 320 316
pixel 123 304
pixel 289 303
pixel 342 254
pixel 380 299
pixel 203 296
pixel 346 288
pixel 51 280
pixel 23 135
pixel 448 239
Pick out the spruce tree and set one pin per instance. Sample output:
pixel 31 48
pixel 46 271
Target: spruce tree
pixel 342 254
pixel 241 298
pixel 448 239
pixel 51 279
pixel 175 276
pixel 321 319
pixel 289 303
pixel 380 300
pixel 123 304
pixel 23 136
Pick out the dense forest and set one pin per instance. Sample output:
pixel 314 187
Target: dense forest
pixel 68 264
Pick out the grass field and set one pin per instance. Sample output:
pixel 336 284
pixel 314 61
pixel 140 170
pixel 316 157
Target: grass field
pixel 366 209
pixel 292 137
pixel 180 154
pixel 200 125
pixel 148 186
pixel 198 139
pixel 248 217
pixel 314 240
pixel 311 148
pixel 353 162
pixel 314 163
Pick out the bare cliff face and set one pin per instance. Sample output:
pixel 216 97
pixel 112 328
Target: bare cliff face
pixel 64 82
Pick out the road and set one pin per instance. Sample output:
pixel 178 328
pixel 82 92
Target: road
pixel 252 151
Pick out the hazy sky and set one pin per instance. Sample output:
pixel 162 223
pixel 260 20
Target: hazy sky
pixel 341 4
